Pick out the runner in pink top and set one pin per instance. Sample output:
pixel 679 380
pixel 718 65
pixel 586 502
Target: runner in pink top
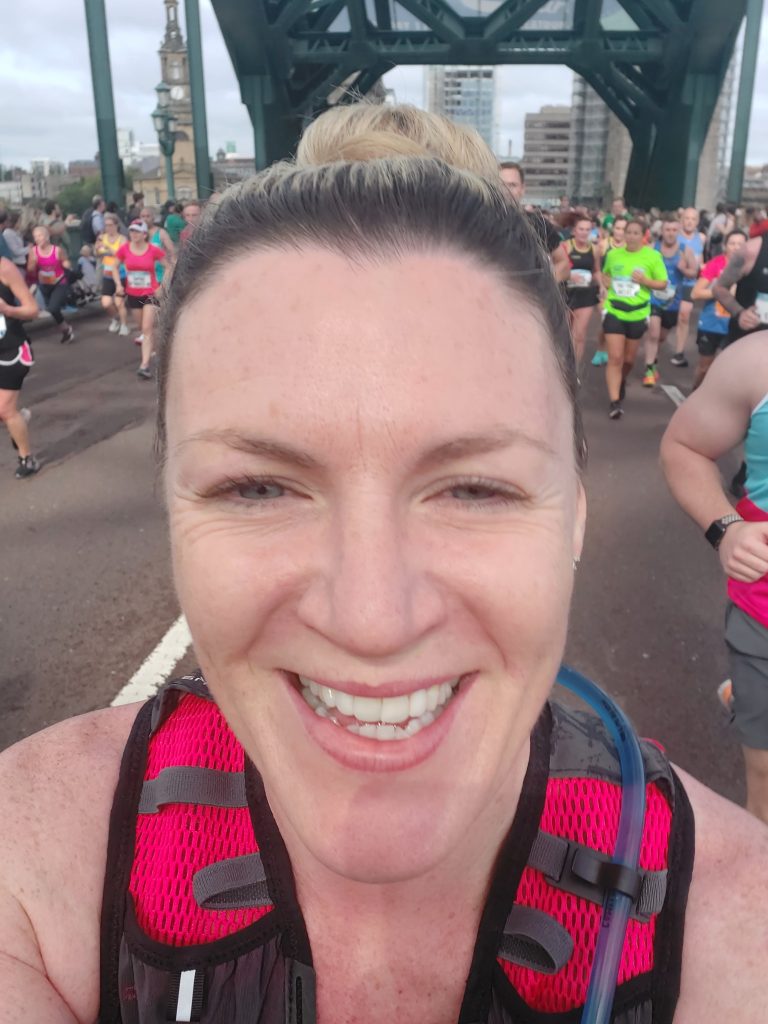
pixel 48 264
pixel 139 258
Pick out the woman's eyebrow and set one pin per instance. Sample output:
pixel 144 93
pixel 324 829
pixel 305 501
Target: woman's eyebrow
pixel 274 450
pixel 448 451
pixel 482 444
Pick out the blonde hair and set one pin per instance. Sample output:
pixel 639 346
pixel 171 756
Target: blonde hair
pixel 370 131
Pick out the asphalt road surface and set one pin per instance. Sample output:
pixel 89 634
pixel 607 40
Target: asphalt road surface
pixel 85 590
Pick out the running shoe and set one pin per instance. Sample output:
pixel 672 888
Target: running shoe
pixel 114 326
pixel 600 358
pixel 27 416
pixel 651 377
pixel 67 334
pixel 124 330
pixel 27 466
pixel 725 694
pixel 138 338
pixel 678 359
pixel 615 412
pixel 144 372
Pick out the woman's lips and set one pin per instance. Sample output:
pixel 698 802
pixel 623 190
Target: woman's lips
pixel 364 744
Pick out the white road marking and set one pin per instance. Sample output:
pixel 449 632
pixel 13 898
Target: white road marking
pixel 674 393
pixel 146 681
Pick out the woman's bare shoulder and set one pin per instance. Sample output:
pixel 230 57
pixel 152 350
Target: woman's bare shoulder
pixel 725 963
pixel 56 790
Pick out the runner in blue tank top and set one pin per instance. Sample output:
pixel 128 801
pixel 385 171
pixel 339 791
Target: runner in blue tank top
pixel 681 267
pixel 694 241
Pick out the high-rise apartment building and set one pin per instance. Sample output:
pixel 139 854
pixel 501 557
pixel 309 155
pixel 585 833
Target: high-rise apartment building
pixel 601 147
pixel 546 154
pixel 466 95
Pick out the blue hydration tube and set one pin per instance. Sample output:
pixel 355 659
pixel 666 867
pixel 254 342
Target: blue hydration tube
pixel 617 906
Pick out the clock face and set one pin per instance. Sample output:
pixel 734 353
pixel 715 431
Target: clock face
pixel 177 92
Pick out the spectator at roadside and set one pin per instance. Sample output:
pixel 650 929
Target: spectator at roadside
pixel 192 211
pixel 721 225
pixel 92 221
pixel 174 222
pixel 53 220
pixel 9 222
pixel 135 208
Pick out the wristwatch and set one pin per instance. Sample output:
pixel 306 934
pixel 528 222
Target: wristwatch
pixel 716 531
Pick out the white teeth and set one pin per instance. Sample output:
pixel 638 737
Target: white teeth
pixel 367 709
pixel 395 709
pixel 380 718
pixel 417 703
pixel 345 702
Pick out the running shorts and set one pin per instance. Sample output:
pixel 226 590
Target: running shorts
pixel 581 298
pixel 632 330
pixel 709 343
pixel 668 317
pixel 140 301
pixel 747 643
pixel 107 286
pixel 14 367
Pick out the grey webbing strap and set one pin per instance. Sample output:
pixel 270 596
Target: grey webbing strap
pixel 189 785
pixel 534 939
pixel 232 884
pixel 553 856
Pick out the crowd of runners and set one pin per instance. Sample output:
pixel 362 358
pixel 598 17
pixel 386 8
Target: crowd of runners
pixel 121 267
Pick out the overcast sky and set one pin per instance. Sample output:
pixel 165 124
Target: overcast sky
pixel 47 100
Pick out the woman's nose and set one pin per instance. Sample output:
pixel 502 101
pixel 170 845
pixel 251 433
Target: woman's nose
pixel 371 595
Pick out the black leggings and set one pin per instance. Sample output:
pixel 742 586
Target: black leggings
pixel 55 296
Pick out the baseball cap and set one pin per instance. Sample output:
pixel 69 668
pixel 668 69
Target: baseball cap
pixel 138 225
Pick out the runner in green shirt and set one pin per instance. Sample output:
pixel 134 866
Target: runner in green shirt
pixel 630 273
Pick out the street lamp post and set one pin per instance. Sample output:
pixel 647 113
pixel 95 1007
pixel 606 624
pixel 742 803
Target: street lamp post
pixel 164 121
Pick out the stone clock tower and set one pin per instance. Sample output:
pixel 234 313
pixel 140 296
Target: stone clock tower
pixel 175 73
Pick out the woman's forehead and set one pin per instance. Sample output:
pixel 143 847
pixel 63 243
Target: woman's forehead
pixel 311 338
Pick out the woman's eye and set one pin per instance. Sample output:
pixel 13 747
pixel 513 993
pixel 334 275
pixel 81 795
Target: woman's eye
pixel 259 490
pixel 473 492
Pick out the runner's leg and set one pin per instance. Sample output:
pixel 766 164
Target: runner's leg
pixel 579 323
pixel 15 423
pixel 683 324
pixel 653 338
pixel 756 764
pixel 147 320
pixel 615 345
pixel 630 354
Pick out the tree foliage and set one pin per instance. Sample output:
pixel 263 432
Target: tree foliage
pixel 77 197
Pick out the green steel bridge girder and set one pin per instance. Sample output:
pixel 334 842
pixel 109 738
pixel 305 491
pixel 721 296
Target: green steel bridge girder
pixel 661 79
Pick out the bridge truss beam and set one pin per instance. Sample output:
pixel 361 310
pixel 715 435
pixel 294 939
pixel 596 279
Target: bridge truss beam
pixel 661 75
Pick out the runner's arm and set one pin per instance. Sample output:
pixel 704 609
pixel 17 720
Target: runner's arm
pixel 65 260
pixel 28 995
pixel 712 421
pixel 731 275
pixel 27 307
pixel 561 265
pixel 32 260
pixel 690 266
pixel 702 290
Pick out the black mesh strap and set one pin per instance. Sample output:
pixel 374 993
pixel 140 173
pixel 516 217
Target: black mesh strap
pixel 534 939
pixel 231 884
pixel 587 873
pixel 193 785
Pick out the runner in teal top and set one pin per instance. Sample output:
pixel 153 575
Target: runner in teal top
pixel 631 273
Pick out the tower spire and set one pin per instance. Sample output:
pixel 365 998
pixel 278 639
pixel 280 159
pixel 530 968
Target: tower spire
pixel 173 39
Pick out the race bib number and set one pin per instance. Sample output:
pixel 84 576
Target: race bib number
pixel 47 277
pixel 761 305
pixel 139 279
pixel 625 288
pixel 664 295
pixel 3 326
pixel 580 279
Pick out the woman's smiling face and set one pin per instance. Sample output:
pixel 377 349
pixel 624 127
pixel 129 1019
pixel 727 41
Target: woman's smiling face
pixel 372 489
